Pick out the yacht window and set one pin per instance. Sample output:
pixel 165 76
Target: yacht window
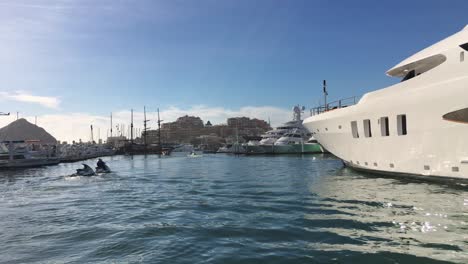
pixel 384 129
pixel 401 121
pixel 462 56
pixel 297 136
pixel 457 116
pixel 464 46
pixel 409 75
pixel 367 128
pixel 354 129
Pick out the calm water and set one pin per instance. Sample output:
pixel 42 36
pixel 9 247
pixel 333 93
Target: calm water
pixel 227 209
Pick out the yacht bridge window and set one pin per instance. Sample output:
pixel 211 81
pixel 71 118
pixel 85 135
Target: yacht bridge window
pixel 460 116
pixel 464 46
pixel 409 75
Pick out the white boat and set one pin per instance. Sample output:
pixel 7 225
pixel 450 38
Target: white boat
pixel 297 143
pixel 267 142
pixel 235 148
pixel 417 127
pixel 20 154
pixel 183 148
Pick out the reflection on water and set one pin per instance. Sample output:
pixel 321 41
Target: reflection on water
pixel 228 209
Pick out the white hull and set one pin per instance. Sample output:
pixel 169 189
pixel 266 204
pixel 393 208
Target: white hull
pixel 432 146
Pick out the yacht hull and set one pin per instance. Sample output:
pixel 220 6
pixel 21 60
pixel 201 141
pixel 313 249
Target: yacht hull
pixel 26 163
pixel 284 149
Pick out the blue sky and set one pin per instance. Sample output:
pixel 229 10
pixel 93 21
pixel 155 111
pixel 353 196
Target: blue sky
pixel 99 56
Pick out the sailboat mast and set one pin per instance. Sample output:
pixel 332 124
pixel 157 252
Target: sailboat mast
pixel 131 129
pixel 111 125
pixel 144 127
pixel 159 131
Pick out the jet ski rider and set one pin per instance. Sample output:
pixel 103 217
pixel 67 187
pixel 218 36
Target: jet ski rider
pixel 101 164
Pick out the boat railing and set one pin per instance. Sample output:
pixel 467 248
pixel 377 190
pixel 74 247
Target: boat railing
pixel 341 103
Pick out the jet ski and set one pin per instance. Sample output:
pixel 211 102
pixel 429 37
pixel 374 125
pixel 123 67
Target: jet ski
pixel 106 169
pixel 85 171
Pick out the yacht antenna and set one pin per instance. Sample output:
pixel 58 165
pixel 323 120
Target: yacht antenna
pixel 325 93
pixel 159 132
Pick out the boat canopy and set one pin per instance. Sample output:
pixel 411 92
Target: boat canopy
pixel 430 57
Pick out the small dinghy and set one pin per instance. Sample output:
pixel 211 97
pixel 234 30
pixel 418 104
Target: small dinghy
pixel 194 155
pixel 85 171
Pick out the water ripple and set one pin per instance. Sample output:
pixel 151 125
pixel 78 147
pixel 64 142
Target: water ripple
pixel 227 209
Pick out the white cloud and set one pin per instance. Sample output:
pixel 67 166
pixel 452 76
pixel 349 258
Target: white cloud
pixel 76 126
pixel 19 96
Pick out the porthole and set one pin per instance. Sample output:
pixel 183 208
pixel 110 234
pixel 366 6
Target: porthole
pixel 375 164
pixel 392 165
pixel 427 167
pixel 455 169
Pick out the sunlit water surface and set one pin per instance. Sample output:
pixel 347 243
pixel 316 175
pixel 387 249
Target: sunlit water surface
pixel 228 209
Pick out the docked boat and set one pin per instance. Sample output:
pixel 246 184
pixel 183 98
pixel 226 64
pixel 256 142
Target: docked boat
pixel 283 139
pixel 20 154
pixel 295 142
pixel 415 127
pixel 235 148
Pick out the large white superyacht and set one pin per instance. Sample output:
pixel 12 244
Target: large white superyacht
pixel 417 127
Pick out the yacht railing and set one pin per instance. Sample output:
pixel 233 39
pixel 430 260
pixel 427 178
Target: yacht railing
pixel 342 103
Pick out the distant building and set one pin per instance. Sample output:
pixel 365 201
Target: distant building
pixel 116 141
pixel 187 128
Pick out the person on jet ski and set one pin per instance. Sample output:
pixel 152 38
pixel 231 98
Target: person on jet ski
pixel 101 164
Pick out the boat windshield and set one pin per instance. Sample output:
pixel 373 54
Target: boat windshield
pixel 409 75
pixel 3 148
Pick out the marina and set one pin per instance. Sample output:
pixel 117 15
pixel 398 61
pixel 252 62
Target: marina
pixel 221 132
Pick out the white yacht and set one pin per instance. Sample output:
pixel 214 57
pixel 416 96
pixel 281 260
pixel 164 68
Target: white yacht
pixel 297 142
pixel 417 127
pixel 19 154
pixel 267 142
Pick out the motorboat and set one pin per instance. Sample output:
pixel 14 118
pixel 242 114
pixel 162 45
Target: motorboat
pixel 297 143
pixel 235 148
pixel 267 144
pixel 21 154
